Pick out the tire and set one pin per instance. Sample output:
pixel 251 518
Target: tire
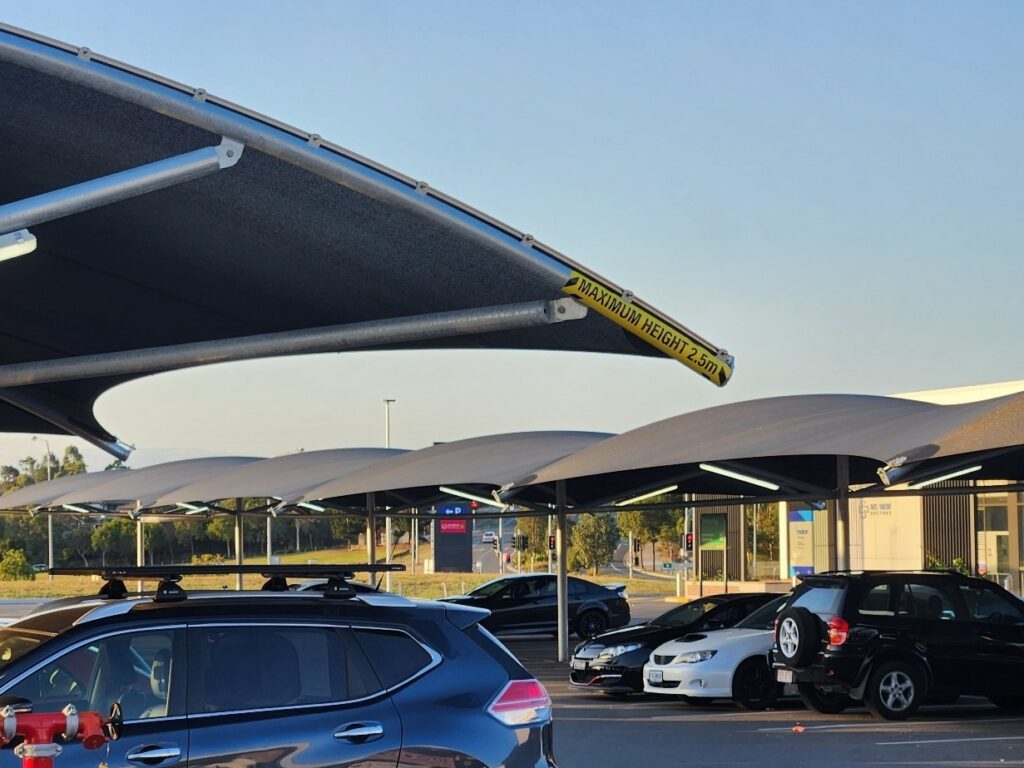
pixel 753 687
pixel 590 623
pixel 797 637
pixel 826 702
pixel 1007 702
pixel 895 690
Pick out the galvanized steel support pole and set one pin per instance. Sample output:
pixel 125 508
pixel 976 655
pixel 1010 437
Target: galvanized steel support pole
pixel 371 530
pixel 239 542
pixel 140 547
pixel 336 338
pixel 77 198
pixel 842 516
pixel 563 577
pixel 49 542
pixel 270 544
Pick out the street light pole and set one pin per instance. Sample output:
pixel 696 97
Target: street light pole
pixel 387 520
pixel 49 515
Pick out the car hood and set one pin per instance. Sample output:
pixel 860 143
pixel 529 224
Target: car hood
pixel 648 634
pixel 716 639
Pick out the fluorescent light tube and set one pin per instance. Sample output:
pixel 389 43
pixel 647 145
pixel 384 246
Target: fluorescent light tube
pixel 648 495
pixel 738 476
pixel 941 478
pixel 16 244
pixel 470 496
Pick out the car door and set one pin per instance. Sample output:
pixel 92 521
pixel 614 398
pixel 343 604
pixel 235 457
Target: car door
pixel 143 671
pixel 942 631
pixel 997 619
pixel 281 695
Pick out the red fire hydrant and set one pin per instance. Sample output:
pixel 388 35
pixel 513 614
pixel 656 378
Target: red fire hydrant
pixel 39 731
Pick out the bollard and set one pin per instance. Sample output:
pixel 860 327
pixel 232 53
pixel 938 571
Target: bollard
pixel 679 583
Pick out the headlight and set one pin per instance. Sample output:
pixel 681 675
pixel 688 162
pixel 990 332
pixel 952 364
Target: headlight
pixel 693 657
pixel 617 650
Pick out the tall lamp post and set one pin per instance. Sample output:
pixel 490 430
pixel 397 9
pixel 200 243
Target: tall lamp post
pixel 387 520
pixel 49 515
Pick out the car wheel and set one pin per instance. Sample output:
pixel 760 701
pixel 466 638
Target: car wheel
pixel 1007 702
pixel 820 700
pixel 797 636
pixel 590 623
pixel 895 690
pixel 753 687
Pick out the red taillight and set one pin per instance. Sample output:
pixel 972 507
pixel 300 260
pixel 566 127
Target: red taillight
pixel 521 702
pixel 837 630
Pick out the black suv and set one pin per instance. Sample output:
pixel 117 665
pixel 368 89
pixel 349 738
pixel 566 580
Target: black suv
pixel 893 640
pixel 280 678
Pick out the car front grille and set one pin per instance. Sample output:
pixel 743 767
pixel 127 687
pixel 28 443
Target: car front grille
pixel 664 684
pixel 663 659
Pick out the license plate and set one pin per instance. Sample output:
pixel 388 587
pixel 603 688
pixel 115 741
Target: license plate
pixel 579 664
pixel 656 676
pixel 784 675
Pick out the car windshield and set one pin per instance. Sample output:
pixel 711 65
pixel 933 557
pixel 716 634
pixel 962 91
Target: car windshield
pixel 489 588
pixel 764 617
pixel 685 614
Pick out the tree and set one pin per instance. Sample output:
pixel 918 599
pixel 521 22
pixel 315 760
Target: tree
pixel 222 527
pixel 766 519
pixel 645 524
pixel 72 463
pixel 594 540
pixel 536 531
pixel 347 528
pixel 113 536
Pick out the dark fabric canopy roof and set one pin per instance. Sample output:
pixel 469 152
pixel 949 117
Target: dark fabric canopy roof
pixel 298 234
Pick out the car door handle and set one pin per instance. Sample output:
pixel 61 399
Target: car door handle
pixel 357 733
pixel 152 755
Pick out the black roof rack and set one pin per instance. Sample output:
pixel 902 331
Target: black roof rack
pixel 277 576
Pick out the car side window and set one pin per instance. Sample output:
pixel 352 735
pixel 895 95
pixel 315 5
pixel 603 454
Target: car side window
pixel 933 602
pixel 141 671
pixel 985 604
pixel 877 601
pixel 393 655
pixel 250 667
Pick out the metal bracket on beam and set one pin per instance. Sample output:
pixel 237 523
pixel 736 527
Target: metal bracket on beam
pixel 336 338
pixel 119 186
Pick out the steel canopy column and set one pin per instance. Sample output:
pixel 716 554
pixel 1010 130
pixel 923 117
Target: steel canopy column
pixel 49 539
pixel 238 542
pixel 563 579
pixel 140 544
pixel 842 516
pixel 371 530
pixel 270 545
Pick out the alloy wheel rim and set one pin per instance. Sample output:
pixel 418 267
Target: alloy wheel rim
pixel 897 690
pixel 789 637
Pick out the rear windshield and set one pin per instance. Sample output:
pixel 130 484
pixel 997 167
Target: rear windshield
pixel 29 633
pixel 821 597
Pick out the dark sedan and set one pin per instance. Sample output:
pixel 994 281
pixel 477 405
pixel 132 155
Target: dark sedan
pixel 528 603
pixel 614 662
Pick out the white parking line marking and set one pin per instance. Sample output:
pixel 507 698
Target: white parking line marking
pixel 948 741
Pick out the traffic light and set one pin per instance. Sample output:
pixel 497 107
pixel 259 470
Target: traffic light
pixel 494 543
pixel 637 544
pixel 689 542
pixel 551 542
pixel 520 542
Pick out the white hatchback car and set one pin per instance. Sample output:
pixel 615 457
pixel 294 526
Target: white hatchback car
pixel 720 664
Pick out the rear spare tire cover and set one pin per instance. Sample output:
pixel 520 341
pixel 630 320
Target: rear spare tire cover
pixel 797 636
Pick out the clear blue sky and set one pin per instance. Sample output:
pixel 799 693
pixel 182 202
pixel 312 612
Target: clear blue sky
pixel 832 191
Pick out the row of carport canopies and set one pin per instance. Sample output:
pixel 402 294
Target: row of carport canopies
pixel 815 448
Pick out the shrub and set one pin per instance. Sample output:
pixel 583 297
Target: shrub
pixel 14 566
pixel 207 559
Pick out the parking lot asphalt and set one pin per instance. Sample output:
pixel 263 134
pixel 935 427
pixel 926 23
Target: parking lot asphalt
pixel 597 731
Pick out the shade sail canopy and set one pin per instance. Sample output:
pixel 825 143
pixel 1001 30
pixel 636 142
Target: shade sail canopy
pixel 42 494
pixel 478 464
pixel 795 437
pixel 319 234
pixel 281 477
pixel 141 487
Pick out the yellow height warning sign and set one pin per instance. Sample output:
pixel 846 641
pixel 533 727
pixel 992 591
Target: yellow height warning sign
pixel 664 335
